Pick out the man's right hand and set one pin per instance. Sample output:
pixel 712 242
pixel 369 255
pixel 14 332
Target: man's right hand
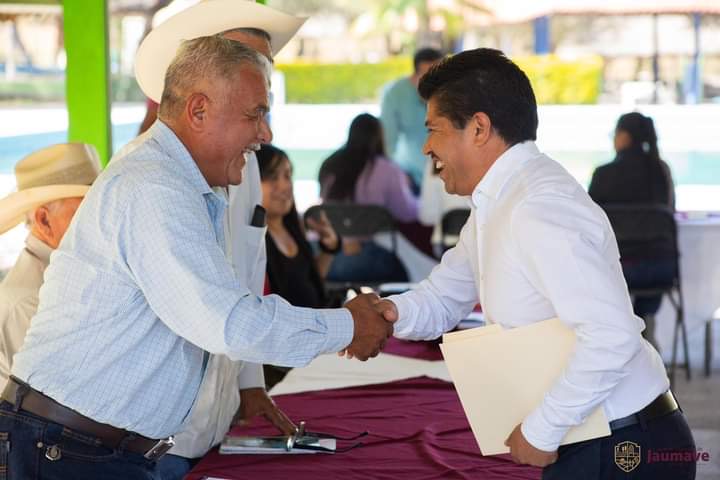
pixel 371 329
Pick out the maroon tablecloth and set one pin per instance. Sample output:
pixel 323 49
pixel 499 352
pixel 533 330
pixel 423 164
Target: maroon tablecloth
pixel 418 350
pixel 418 431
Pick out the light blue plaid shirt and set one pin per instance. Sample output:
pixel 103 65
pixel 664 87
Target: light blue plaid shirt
pixel 140 288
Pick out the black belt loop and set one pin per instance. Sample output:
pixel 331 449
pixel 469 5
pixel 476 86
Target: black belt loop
pixel 22 390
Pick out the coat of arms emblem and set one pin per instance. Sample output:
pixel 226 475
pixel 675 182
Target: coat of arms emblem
pixel 627 456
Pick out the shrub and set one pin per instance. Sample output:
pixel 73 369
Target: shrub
pixel 341 83
pixel 557 81
pixel 554 80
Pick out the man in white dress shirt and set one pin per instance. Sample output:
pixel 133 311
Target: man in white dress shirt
pixel 536 247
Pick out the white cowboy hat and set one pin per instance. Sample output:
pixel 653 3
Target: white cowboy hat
pixel 211 17
pixel 62 171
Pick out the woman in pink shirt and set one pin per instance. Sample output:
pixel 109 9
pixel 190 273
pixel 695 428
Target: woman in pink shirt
pixel 360 173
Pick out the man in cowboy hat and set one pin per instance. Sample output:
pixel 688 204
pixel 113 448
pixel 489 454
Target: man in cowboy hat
pixel 51 183
pixel 102 384
pixel 230 390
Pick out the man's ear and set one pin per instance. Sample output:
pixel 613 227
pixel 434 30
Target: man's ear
pixel 197 111
pixel 41 224
pixel 481 127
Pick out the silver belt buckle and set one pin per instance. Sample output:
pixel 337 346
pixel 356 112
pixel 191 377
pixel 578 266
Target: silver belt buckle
pixel 160 448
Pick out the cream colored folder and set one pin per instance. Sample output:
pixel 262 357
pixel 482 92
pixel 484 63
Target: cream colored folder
pixel 501 376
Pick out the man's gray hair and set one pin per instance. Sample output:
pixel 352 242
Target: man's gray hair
pixel 213 58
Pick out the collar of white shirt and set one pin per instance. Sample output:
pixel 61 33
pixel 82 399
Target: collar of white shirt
pixel 501 171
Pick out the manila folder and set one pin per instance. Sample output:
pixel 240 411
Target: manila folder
pixel 501 376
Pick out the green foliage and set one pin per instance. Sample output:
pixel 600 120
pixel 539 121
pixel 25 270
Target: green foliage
pixel 52 89
pixel 557 81
pixel 341 83
pixel 45 89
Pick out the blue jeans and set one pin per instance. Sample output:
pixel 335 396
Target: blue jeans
pixel 174 467
pixel 32 448
pixel 648 274
pixel 372 264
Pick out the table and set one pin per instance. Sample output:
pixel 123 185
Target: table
pixel 417 431
pixel 698 242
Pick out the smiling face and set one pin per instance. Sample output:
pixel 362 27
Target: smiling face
pixel 234 123
pixel 277 190
pixel 450 150
pixel 461 156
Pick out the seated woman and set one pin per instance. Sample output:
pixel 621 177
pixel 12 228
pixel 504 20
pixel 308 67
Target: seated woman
pixel 360 173
pixel 637 175
pixel 293 270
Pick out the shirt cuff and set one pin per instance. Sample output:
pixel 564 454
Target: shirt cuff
pixel 340 329
pixel 541 433
pixel 251 376
pixel 403 327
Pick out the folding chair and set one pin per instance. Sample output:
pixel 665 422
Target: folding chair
pixel 351 220
pixel 709 342
pixel 450 225
pixel 639 227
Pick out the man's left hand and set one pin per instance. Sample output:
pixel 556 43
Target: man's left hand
pixel 256 401
pixel 523 452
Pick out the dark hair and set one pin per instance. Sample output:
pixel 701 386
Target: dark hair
pixel 256 32
pixel 642 132
pixel 644 150
pixel 483 80
pixel 342 168
pixel 426 55
pixel 269 160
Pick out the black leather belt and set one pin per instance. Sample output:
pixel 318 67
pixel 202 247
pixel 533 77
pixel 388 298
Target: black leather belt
pixel 23 397
pixel 663 405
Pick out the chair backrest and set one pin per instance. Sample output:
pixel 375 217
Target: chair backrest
pixel 644 231
pixel 351 220
pixel 451 224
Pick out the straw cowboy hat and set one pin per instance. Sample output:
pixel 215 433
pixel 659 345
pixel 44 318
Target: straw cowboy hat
pixel 206 18
pixel 61 171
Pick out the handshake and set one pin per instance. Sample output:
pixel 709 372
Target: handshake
pixel 373 319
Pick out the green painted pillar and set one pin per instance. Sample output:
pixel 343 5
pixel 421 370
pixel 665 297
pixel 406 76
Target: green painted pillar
pixel 262 1
pixel 87 78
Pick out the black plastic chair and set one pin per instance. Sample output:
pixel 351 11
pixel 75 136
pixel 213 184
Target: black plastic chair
pixel 451 225
pixel 351 220
pixel 642 227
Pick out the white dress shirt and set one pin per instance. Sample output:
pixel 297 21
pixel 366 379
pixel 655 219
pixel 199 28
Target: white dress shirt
pixel 435 202
pixel 219 395
pixel 537 247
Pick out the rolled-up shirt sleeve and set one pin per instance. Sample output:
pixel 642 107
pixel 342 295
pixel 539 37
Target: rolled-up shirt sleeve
pixel 182 271
pixel 565 255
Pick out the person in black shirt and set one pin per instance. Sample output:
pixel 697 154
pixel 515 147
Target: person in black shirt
pixel 293 270
pixel 638 175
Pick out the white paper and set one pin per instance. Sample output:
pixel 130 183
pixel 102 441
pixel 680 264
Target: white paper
pixel 501 376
